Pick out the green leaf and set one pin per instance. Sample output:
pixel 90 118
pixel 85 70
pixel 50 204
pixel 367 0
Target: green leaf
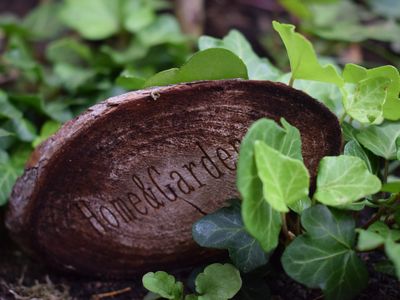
pixel 46 131
pixel 163 284
pixel 93 19
pixel 303 60
pixel 137 15
pixel 43 22
pixel 130 80
pixel 391 187
pixel 398 147
pixel 165 29
pixel 324 257
pixel 73 77
pixel 8 110
pixel 258 68
pixel 224 229
pixel 210 64
pixel 285 180
pixel 4 133
pixel 386 8
pixel 260 219
pixel 372 238
pixel 381 140
pixel 353 148
pixel 364 101
pixel 69 51
pixel 344 179
pixel 392 250
pixel 10 170
pixel 301 205
pixel 218 281
pixel 371 94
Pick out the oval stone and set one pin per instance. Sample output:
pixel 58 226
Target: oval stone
pixel 116 190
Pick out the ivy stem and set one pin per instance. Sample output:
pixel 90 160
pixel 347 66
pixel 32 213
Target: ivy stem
pixel 385 171
pixel 288 235
pixel 291 81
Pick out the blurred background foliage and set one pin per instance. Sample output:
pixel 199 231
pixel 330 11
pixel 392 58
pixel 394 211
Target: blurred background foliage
pixel 60 57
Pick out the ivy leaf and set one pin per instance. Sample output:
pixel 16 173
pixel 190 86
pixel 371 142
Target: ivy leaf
pixel 163 284
pixel 210 64
pixel 258 68
pixel 261 221
pixel 392 250
pixel 324 257
pixel 46 131
pixel 353 148
pixel 381 140
pixel 93 19
pixel 398 147
pixel 372 238
pixel 370 95
pixel 137 15
pixel 218 281
pixel 165 29
pixel 285 180
pixel 43 21
pixel 391 187
pixel 224 229
pixel 4 133
pixel 11 169
pixel 303 60
pixel 380 234
pixel 344 179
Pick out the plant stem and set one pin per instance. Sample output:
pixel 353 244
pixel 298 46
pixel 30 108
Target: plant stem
pixel 375 217
pixel 385 171
pixel 288 235
pixel 291 81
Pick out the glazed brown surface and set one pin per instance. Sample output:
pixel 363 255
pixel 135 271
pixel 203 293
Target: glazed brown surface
pixel 116 190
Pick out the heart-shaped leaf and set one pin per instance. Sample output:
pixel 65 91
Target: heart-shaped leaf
pixel 210 64
pixel 303 60
pixel 285 180
pixel 224 229
pixel 260 219
pixel 344 179
pixel 324 257
pixel 381 140
pixel 258 68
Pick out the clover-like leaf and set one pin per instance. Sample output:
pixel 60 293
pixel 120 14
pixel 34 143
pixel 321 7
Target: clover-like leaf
pixel 344 179
pixel 224 229
pixel 218 281
pixel 210 64
pixel 324 256
pixel 303 60
pixel 381 140
pixel 163 284
pixel 285 180
pixel 261 221
pixel 258 68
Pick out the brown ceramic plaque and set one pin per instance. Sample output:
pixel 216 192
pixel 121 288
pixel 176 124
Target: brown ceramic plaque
pixel 117 189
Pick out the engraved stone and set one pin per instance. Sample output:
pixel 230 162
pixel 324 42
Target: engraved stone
pixel 116 190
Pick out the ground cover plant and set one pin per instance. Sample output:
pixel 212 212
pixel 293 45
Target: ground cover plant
pixel 318 233
pixel 319 240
